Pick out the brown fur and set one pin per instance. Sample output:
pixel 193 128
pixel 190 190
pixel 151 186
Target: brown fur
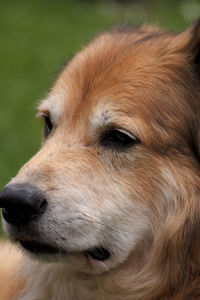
pixel 148 80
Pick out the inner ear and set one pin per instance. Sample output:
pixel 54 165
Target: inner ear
pixel 197 59
pixel 195 143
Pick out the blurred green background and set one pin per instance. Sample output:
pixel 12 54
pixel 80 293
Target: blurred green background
pixel 38 36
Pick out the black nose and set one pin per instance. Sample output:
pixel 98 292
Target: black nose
pixel 21 203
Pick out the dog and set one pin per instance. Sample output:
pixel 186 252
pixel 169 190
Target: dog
pixel 109 208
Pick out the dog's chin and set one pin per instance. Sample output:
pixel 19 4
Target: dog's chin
pixel 94 259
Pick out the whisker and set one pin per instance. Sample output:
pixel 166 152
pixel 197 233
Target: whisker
pixel 90 219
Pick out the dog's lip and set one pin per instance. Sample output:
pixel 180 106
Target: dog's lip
pixel 39 248
pixel 97 253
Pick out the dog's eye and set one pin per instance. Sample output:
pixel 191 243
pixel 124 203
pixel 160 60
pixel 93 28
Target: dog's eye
pixel 118 139
pixel 47 126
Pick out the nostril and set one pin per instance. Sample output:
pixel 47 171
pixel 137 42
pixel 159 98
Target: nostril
pixel 21 203
pixel 42 206
pixel 15 217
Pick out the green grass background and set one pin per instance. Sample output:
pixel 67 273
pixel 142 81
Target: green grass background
pixel 36 37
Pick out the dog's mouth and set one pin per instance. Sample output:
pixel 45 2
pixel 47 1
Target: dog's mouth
pixel 38 248
pixel 97 253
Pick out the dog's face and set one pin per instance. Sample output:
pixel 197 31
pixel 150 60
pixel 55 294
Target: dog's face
pixel 118 153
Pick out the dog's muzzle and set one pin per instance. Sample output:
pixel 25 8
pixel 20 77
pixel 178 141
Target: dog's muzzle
pixel 21 203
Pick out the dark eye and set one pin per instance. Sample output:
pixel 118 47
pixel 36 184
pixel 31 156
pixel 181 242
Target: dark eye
pixel 47 126
pixel 118 139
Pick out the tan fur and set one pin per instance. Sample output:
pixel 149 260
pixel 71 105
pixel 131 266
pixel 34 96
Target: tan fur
pixel 141 203
pixel 10 261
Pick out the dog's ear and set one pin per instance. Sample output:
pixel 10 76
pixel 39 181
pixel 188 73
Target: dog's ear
pixel 188 42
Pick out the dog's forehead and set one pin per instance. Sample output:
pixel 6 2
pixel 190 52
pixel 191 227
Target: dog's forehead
pixel 119 71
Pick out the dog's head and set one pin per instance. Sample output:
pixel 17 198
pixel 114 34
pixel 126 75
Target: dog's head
pixel 118 167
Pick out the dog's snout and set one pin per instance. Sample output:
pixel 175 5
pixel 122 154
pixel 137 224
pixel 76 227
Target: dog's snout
pixel 21 203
